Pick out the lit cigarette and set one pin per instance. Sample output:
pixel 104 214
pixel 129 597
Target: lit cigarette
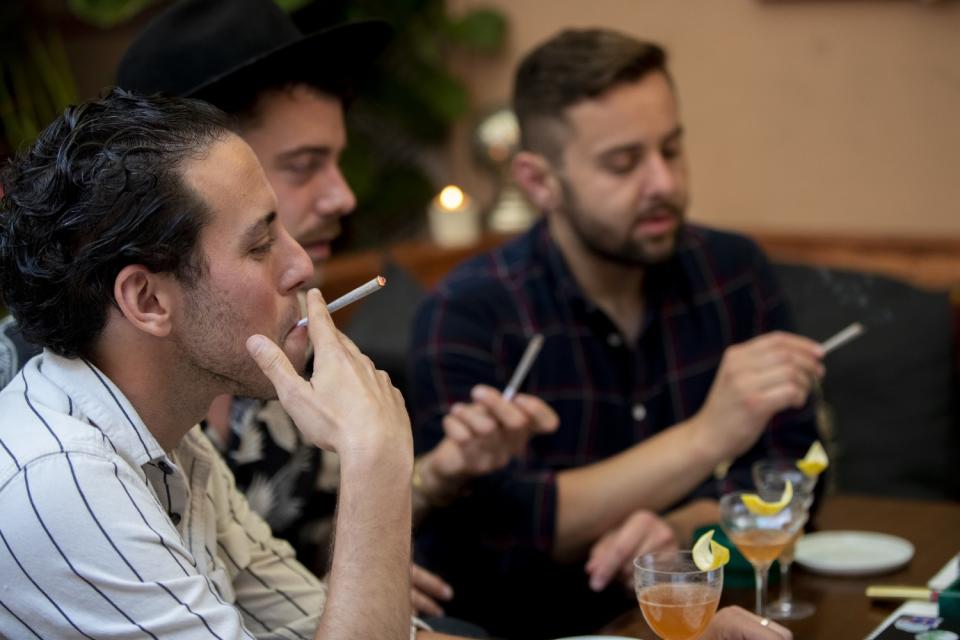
pixel 842 338
pixel 524 367
pixel 349 298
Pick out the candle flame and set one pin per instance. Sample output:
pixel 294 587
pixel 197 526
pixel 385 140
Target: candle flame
pixel 451 198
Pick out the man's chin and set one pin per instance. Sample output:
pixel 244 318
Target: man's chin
pixel 658 249
pixel 265 393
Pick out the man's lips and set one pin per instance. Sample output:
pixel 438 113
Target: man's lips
pixel 291 326
pixel 661 221
pixel 320 240
pixel 322 235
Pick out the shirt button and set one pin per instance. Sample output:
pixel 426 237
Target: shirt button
pixel 166 468
pixel 614 340
pixel 639 412
pixel 175 518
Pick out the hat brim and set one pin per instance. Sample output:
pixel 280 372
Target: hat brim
pixel 338 56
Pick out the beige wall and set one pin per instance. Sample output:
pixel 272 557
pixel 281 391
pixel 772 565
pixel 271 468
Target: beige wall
pixel 804 115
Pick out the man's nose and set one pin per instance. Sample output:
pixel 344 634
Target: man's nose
pixel 663 181
pixel 336 197
pixel 298 270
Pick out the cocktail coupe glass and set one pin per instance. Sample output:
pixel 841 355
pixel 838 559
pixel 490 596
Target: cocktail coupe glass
pixel 677 599
pixel 760 538
pixel 770 476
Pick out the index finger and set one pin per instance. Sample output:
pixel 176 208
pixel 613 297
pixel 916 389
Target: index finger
pixel 545 418
pixel 503 411
pixel 791 341
pixel 320 326
pixel 612 555
pixel 429 583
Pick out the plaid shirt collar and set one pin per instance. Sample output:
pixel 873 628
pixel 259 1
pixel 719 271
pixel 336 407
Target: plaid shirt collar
pixel 664 283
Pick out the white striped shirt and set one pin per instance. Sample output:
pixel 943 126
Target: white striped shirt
pixel 104 535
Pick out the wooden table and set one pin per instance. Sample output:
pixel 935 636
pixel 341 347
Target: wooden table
pixel 843 611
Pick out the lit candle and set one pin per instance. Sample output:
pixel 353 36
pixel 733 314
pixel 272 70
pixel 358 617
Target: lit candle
pixel 454 218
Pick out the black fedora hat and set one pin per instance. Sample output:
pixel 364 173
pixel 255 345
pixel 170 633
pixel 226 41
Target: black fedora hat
pixel 213 49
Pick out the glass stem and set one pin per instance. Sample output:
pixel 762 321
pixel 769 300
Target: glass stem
pixel 786 592
pixel 761 580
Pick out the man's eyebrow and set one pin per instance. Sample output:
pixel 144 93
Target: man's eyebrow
pixel 308 150
pixel 258 228
pixel 672 136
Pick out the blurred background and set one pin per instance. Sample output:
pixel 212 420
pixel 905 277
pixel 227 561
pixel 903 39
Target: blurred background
pixel 808 116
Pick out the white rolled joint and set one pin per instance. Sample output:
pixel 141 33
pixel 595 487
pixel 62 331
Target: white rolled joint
pixel 350 297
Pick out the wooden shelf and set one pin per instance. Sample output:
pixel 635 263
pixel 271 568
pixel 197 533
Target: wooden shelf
pixel 926 262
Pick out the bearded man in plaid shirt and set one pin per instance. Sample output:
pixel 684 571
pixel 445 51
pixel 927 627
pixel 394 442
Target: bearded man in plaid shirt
pixel 667 356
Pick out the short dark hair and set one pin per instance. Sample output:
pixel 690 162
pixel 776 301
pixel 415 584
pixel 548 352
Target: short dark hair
pixel 100 189
pixel 575 65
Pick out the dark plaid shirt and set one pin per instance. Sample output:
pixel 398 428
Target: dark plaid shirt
pixel 494 544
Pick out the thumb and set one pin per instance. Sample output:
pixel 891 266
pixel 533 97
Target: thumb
pixel 272 361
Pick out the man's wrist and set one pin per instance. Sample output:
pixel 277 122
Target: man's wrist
pixel 394 462
pixel 706 445
pixel 435 489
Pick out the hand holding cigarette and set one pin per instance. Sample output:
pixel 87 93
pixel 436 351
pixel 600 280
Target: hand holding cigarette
pixel 345 405
pixel 349 298
pixel 756 380
pixel 482 436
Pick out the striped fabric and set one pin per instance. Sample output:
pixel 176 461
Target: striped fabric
pixel 104 535
pixel 494 545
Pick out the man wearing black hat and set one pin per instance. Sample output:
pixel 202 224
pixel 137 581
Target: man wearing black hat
pixel 288 91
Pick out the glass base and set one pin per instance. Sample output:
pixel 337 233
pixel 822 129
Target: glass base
pixel 789 610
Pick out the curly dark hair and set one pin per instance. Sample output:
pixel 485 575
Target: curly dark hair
pixel 100 189
pixel 575 65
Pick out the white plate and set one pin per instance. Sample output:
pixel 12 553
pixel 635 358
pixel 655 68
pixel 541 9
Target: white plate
pixel 852 553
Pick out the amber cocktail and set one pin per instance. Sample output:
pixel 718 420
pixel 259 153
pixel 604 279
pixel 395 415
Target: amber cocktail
pixel 760 537
pixel 676 598
pixel 771 475
pixel 759 546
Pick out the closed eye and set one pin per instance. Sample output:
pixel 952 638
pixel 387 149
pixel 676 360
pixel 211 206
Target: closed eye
pixel 263 249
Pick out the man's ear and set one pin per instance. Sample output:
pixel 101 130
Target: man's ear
pixel 534 174
pixel 145 299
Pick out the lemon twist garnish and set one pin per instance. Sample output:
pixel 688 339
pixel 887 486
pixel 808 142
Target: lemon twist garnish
pixel 756 504
pixel 815 461
pixel 709 555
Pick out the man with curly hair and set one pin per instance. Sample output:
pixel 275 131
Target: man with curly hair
pixel 139 246
pixel 248 58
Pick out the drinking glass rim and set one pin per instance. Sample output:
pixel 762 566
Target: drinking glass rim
pixel 785 460
pixel 734 496
pixel 666 554
pixel 807 484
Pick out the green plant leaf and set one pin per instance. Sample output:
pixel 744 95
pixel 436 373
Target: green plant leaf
pixel 44 80
pixel 289 6
pixel 67 86
pixel 13 133
pixel 481 30
pixel 107 13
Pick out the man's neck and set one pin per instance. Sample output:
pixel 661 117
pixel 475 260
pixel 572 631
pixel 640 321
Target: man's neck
pixel 168 404
pixel 615 288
